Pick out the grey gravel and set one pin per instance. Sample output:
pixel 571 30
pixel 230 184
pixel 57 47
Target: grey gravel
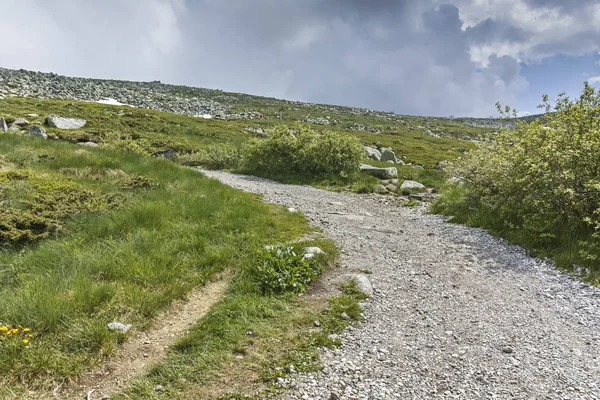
pixel 448 302
pixel 118 326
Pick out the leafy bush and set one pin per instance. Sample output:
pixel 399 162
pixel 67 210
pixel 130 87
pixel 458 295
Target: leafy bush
pixel 284 269
pixel 538 184
pixel 304 151
pixel 216 156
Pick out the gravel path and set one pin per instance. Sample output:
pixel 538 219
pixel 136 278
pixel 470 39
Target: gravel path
pixel 456 314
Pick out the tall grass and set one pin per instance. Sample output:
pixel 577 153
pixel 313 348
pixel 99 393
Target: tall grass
pixel 124 264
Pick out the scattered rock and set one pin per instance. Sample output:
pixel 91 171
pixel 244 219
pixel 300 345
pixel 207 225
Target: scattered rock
pixel 159 388
pixel 380 189
pixel 3 126
pixel 373 153
pixel 412 185
pixel 311 252
pixel 32 115
pixel 507 349
pixel 344 316
pixel 117 326
pixel 38 131
pixel 362 282
pixel 442 165
pixel 88 144
pixel 391 188
pixel 317 324
pixel 14 129
pixel 56 121
pixel 334 396
pixel 292 210
pixel 382 173
pixel 387 154
pixel 20 122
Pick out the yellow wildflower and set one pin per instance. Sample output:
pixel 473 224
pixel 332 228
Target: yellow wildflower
pixel 26 330
pixel 30 336
pixel 3 328
pixel 25 341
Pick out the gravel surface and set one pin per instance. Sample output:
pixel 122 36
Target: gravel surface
pixel 456 314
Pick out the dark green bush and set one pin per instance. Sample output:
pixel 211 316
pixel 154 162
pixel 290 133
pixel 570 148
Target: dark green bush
pixel 304 151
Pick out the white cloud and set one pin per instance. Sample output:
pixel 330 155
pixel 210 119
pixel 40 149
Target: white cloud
pixel 594 80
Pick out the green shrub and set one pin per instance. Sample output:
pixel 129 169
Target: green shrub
pixel 538 184
pixel 304 151
pixel 216 156
pixel 282 269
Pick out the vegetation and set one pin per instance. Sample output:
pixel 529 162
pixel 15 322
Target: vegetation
pixel 110 249
pixel 218 144
pixel 304 151
pixel 539 184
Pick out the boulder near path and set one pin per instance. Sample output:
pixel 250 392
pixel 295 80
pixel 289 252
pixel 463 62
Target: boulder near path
pixel 456 313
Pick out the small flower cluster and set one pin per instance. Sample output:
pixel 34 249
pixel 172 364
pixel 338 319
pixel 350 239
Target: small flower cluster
pixel 15 333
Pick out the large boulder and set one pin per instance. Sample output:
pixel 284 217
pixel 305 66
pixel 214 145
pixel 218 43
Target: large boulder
pixel 373 153
pixel 381 173
pixel 56 121
pixel 38 131
pixel 20 122
pixel 3 126
pixel 412 185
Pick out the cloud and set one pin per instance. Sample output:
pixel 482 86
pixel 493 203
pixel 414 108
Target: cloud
pixel 594 80
pixel 429 57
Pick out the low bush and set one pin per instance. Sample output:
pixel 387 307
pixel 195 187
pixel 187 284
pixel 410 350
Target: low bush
pixel 282 269
pixel 539 184
pixel 216 156
pixel 304 151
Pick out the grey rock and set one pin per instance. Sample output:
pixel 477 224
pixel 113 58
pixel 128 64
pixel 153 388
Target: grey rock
pixel 88 144
pixel 14 129
pixel 391 188
pixel 373 153
pixel 117 326
pixel 388 155
pixel 311 252
pixel 380 189
pixel 56 121
pixel 20 122
pixel 159 388
pixel 507 349
pixel 442 165
pixel 38 131
pixel 362 282
pixel 3 126
pixel 382 173
pixel 412 185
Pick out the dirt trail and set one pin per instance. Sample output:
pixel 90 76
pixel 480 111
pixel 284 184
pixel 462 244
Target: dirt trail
pixel 145 349
pixel 456 314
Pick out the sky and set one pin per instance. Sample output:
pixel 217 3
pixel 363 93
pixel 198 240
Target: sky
pixel 426 57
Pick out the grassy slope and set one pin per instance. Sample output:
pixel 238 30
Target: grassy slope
pixel 142 246
pixel 166 230
pixel 151 132
pixel 122 264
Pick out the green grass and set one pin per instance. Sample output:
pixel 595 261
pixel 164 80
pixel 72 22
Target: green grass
pixel 125 263
pixel 219 359
pixel 216 143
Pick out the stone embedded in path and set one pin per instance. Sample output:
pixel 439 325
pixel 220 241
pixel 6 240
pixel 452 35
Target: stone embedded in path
pixel 38 131
pixel 382 173
pixel 56 121
pixel 362 282
pixel 3 126
pixel 412 185
pixel 20 122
